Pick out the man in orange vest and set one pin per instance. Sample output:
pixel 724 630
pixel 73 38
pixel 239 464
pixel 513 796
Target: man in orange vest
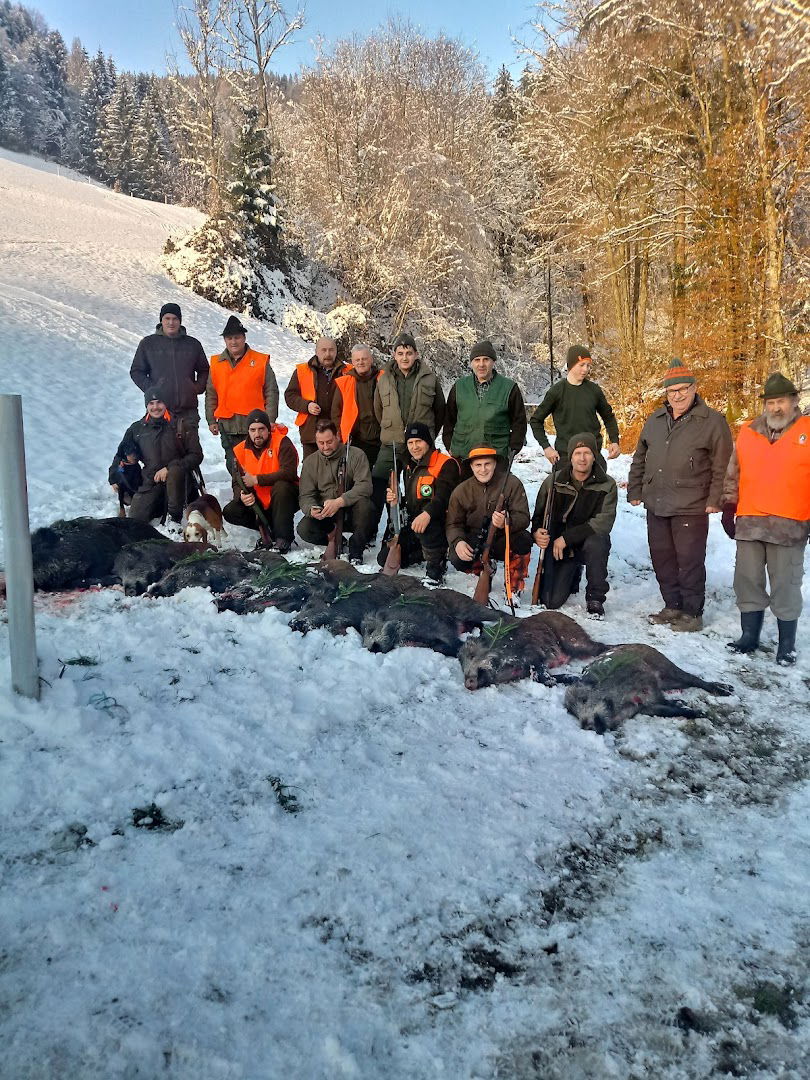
pixel 268 465
pixel 429 478
pixel 312 392
pixel 239 381
pixel 767 487
pixel 354 400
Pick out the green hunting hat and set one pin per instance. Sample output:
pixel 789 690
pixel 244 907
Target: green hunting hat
pixel 778 385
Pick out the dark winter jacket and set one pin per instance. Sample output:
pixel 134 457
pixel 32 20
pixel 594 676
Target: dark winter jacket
pixel 472 505
pixel 414 476
pixel 477 423
pixel 177 364
pixel 158 444
pixel 577 512
pixel 319 478
pixel 769 529
pixel 326 396
pixel 401 400
pixel 574 409
pixel 679 465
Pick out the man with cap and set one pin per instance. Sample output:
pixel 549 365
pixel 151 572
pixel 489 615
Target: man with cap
pixel 176 361
pixel 472 509
pixel 268 464
pixel 575 404
pixel 240 380
pixel 429 478
pixel 312 392
pixel 169 455
pixel 320 497
pixel 767 486
pixel 677 472
pixel 407 392
pixel 583 510
pixel 484 408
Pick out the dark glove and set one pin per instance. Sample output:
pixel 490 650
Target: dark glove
pixel 727 519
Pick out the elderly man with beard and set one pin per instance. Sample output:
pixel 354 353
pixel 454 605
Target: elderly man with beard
pixel 767 487
pixel 268 464
pixel 312 392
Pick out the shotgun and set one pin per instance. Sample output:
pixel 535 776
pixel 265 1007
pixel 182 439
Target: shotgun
pixel 265 532
pixel 538 577
pixel 482 588
pixel 393 560
pixel 334 542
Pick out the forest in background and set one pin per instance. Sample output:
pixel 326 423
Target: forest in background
pixel 643 185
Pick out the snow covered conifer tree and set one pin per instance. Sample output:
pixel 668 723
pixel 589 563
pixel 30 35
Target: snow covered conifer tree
pixel 152 146
pixel 117 135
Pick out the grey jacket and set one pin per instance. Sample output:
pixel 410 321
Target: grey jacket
pixel 319 478
pixel 679 465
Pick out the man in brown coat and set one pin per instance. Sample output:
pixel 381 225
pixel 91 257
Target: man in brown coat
pixel 472 509
pixel 677 472
pixel 311 392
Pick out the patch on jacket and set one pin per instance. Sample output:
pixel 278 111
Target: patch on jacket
pixel 426 491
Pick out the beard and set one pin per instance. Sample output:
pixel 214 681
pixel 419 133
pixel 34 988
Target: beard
pixel 778 421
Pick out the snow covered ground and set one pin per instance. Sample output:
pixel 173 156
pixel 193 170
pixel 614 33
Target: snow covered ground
pixel 470 887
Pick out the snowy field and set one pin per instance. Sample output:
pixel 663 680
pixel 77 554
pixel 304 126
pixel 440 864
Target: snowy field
pixel 464 885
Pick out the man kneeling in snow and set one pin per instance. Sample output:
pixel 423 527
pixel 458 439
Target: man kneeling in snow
pixel 169 452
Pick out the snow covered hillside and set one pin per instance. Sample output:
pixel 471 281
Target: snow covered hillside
pixel 232 851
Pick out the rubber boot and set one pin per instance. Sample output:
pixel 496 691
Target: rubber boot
pixel 786 652
pixel 751 623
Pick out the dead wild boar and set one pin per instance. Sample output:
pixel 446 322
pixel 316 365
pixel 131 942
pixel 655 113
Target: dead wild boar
pixel 78 552
pixel 630 679
pixel 513 649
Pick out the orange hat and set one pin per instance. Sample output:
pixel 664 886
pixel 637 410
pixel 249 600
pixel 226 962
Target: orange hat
pixel 478 452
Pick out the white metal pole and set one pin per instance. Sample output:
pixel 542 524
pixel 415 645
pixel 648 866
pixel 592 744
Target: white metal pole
pixel 17 538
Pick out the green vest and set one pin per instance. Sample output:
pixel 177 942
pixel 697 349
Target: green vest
pixel 482 421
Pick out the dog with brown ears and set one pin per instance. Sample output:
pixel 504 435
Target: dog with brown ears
pixel 204 521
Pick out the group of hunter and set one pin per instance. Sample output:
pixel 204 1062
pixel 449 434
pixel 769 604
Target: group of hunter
pixel 368 437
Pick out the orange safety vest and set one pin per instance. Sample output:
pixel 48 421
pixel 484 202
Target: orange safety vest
pixel 266 462
pixel 306 384
pixel 426 482
pixel 239 389
pixel 775 476
pixel 348 390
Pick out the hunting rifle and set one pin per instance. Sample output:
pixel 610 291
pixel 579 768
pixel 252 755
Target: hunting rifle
pixel 482 588
pixel 393 560
pixel 265 532
pixel 538 577
pixel 334 542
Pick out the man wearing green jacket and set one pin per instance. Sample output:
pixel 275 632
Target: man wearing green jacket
pixel 484 409
pixel 575 404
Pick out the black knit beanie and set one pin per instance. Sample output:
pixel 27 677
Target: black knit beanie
pixel 403 339
pixel 155 392
pixel 171 309
pixel 259 416
pixel 583 439
pixel 419 431
pixel 483 348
